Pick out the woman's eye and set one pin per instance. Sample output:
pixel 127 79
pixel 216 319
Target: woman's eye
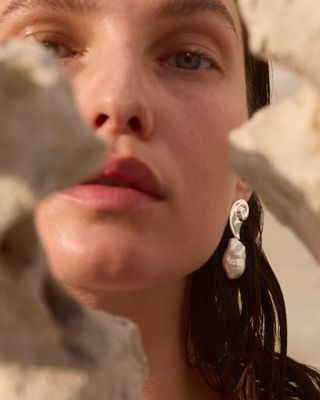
pixel 56 47
pixel 58 50
pixel 191 61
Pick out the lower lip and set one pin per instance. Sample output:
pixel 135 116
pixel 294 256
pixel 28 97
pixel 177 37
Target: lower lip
pixel 108 197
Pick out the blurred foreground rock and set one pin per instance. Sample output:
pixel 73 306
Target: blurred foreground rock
pixel 50 348
pixel 278 151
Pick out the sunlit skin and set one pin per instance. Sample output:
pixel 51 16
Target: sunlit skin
pixel 182 79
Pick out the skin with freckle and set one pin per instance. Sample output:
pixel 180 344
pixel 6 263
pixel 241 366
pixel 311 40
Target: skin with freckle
pixel 124 63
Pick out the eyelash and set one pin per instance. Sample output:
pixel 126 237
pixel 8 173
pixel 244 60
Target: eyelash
pixel 52 39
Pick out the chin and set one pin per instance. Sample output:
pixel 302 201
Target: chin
pixel 99 270
pixel 118 255
pixel 133 270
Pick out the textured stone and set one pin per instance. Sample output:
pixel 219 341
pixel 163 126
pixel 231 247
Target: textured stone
pixel 278 151
pixel 286 31
pixel 50 348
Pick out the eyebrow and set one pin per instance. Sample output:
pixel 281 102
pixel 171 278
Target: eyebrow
pixel 170 8
pixel 189 8
pixel 72 6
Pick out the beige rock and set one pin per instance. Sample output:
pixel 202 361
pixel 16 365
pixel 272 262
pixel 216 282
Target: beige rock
pixel 286 31
pixel 50 348
pixel 278 151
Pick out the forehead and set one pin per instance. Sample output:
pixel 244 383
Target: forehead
pixel 222 9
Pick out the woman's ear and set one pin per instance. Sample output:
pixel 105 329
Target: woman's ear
pixel 242 191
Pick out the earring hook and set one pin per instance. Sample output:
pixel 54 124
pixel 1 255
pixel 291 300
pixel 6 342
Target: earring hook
pixel 238 214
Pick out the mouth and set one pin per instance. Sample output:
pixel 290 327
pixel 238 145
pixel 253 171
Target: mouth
pixel 124 183
pixel 129 173
pixel 104 181
pixel 114 180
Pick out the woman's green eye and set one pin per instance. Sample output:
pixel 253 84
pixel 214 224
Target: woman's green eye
pixel 190 61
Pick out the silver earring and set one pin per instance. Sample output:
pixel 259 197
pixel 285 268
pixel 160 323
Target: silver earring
pixel 234 259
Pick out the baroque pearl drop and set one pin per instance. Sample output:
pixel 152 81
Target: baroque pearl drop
pixel 234 260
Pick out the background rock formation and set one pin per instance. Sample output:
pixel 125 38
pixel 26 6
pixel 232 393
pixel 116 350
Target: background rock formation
pixel 278 151
pixel 50 348
pixel 292 261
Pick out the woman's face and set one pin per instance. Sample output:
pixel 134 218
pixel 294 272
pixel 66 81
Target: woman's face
pixel 160 81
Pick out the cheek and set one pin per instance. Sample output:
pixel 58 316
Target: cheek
pixel 196 134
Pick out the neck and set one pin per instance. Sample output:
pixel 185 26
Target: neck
pixel 160 313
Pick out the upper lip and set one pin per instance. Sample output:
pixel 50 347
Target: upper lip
pixel 132 171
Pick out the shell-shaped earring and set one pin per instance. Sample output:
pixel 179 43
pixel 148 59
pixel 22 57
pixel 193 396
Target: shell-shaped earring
pixel 234 259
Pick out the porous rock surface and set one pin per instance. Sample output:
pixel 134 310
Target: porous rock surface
pixel 50 347
pixel 278 151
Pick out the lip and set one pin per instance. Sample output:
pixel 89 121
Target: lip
pixel 146 188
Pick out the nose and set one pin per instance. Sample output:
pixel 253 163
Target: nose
pixel 113 99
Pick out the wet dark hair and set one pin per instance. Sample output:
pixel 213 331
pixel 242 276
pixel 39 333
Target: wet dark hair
pixel 235 332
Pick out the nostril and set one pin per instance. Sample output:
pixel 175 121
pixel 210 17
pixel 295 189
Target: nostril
pixel 135 124
pixel 100 120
